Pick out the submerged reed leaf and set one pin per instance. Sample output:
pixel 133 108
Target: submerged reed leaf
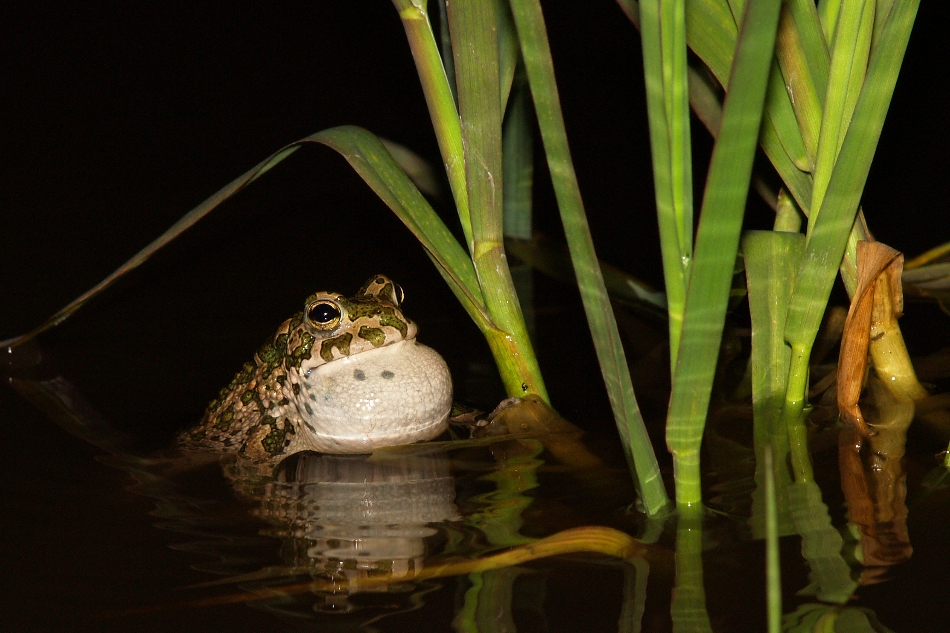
pixel 773 570
pixel 771 263
pixel 591 539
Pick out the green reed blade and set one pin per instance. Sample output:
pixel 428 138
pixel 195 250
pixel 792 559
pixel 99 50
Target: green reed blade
pixel 445 49
pixel 710 31
pixel 518 167
pixel 518 160
pixel 780 137
pixel 797 182
pixel 508 53
pixel 554 260
pixel 772 259
pixel 663 32
pixel 881 11
pixel 376 167
pixel 367 155
pixel 798 79
pixel 813 43
pixel 852 46
pixel 536 54
pixel 711 34
pixel 828 11
pixel 474 31
pixel 781 115
pixel 440 98
pixel 828 237
pixel 717 244
pixel 704 99
pixel 475 48
pixel 706 105
pixel 421 172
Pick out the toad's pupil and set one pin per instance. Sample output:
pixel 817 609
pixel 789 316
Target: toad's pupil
pixel 323 313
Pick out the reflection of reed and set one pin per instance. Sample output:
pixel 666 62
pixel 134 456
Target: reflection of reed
pixel 688 608
pixel 874 481
pixel 871 447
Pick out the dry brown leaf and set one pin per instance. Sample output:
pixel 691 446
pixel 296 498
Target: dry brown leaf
pixel 879 272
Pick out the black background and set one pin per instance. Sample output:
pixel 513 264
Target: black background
pixel 120 117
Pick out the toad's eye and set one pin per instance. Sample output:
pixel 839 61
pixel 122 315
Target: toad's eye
pixel 399 294
pixel 323 315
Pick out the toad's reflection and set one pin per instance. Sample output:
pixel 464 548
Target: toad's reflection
pixel 354 519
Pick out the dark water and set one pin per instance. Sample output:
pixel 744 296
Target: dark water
pixel 111 538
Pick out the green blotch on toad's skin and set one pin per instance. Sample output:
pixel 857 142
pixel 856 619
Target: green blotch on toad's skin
pixel 389 318
pixel 389 293
pixel 244 376
pixel 249 396
pixel 223 421
pixel 386 315
pixel 274 441
pixel 381 287
pixel 373 334
pixel 303 351
pixel 341 342
pixel 271 354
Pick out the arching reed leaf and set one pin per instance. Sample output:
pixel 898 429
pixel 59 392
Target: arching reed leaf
pixel 182 225
pixel 369 157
